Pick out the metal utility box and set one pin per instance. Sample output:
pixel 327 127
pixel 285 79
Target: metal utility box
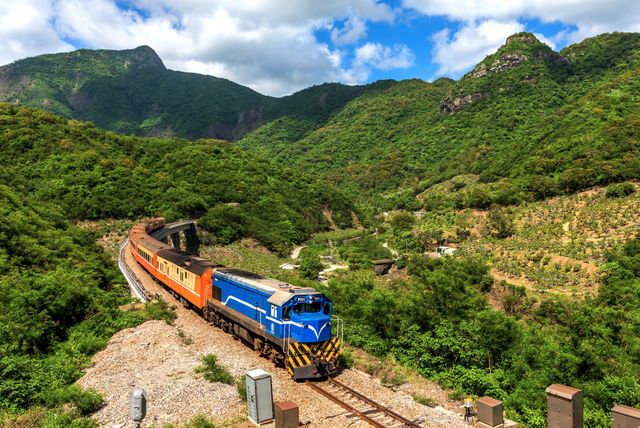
pixel 489 411
pixel 259 396
pixel 287 415
pixel 564 407
pixel 625 417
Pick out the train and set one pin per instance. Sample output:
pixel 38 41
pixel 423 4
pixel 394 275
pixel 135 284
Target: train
pixel 290 325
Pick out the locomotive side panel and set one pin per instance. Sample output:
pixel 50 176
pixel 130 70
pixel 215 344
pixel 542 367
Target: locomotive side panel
pixel 249 302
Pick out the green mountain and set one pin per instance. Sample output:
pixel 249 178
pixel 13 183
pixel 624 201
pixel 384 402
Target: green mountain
pixel 526 122
pixel 132 92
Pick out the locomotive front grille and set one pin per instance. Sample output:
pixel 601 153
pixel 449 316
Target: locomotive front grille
pixel 317 354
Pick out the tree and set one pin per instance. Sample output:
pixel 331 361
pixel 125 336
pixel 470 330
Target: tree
pixel 310 265
pixel 500 223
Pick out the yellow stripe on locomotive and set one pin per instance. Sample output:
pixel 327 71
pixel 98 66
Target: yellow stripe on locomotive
pixel 308 360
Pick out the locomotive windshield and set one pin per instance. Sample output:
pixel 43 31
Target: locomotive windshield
pixel 300 308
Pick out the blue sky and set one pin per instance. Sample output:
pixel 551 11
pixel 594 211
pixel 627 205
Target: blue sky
pixel 280 46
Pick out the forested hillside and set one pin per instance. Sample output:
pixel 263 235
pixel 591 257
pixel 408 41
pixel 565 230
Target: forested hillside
pixel 527 122
pixel 132 92
pixel 92 174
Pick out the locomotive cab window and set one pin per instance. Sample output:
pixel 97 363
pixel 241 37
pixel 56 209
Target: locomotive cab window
pixel 286 313
pixel 300 308
pixel 327 308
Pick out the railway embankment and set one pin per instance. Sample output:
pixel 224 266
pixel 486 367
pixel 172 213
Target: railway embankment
pixel 161 358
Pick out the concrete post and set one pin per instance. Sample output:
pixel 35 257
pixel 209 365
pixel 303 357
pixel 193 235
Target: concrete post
pixel 625 417
pixel 490 413
pixel 564 407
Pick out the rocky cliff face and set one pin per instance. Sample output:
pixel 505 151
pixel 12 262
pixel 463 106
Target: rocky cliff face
pixel 523 59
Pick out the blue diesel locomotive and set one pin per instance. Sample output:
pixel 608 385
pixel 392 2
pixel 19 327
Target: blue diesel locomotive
pixel 288 324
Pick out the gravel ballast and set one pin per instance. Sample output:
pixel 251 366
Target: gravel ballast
pixel 161 358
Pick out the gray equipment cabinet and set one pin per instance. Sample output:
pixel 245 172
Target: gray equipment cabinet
pixel 259 396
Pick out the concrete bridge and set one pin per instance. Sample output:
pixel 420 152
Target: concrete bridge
pixel 171 232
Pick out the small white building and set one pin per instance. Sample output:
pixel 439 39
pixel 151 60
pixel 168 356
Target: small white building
pixel 289 266
pixel 446 251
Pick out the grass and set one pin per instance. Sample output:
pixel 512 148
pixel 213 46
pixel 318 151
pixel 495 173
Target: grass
pixel 425 401
pixel 242 388
pixel 184 338
pixel 214 372
pixel 160 310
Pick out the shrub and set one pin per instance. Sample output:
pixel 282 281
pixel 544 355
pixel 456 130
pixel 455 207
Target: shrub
pixel 160 310
pixel 310 266
pixel 620 190
pixel 213 372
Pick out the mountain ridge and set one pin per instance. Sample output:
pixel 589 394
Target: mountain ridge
pixel 396 138
pixel 132 92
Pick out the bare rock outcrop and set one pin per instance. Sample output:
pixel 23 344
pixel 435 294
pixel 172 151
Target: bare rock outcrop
pixel 450 105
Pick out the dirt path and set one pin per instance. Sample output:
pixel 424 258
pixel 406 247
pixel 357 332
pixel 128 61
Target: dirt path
pixel 161 358
pixel 296 252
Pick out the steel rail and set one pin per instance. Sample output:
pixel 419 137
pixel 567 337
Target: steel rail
pixel 134 284
pixel 383 410
pixel 344 405
pixel 380 407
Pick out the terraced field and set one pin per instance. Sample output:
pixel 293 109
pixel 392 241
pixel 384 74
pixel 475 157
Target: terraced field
pixel 558 245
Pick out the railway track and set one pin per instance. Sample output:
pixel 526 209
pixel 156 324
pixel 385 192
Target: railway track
pixel 134 284
pixel 366 409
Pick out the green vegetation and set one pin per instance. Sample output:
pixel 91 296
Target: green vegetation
pixel 439 323
pixel 214 372
pixel 310 264
pixel 59 295
pixel 159 310
pixel 92 174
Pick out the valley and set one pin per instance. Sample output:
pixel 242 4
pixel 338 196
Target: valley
pixel 527 166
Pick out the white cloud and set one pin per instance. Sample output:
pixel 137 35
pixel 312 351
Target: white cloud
pixel 590 17
pixel 353 30
pixel 25 30
pixel 383 57
pixel 269 45
pixel 466 47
